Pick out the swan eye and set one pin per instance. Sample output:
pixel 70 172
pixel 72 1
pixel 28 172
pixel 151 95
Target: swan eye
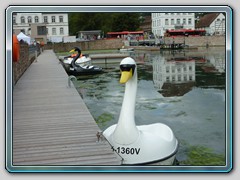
pixel 127 67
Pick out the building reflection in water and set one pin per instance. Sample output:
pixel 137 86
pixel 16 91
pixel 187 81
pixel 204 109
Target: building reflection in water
pixel 176 73
pixel 173 76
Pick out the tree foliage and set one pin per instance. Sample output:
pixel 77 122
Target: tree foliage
pixel 105 22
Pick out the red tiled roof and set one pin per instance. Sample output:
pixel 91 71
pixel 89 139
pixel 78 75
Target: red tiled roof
pixel 206 20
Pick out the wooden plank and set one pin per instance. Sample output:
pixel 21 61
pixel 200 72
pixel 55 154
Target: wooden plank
pixel 51 123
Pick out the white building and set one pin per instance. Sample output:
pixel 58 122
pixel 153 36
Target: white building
pixel 56 24
pixel 164 21
pixel 213 23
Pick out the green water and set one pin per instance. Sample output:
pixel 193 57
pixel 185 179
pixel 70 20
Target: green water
pixel 194 108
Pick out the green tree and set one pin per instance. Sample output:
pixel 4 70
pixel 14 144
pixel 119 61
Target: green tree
pixel 126 22
pixel 103 21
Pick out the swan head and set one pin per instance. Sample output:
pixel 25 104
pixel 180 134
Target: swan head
pixel 128 68
pixel 76 49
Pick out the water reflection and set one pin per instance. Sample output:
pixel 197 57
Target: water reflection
pixel 173 77
pixel 174 72
pixel 185 90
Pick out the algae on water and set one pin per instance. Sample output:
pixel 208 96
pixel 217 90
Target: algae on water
pixel 103 118
pixel 202 156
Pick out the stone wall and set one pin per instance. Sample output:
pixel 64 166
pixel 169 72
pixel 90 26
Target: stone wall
pixel 87 45
pixel 23 63
pixel 200 41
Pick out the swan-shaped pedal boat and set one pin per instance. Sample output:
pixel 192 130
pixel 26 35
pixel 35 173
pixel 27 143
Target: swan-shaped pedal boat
pixel 78 69
pixel 145 144
pixel 83 59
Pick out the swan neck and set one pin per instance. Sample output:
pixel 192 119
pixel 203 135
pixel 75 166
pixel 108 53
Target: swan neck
pixel 126 131
pixel 75 59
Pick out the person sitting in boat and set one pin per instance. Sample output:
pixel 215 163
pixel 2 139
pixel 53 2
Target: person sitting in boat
pixel 73 55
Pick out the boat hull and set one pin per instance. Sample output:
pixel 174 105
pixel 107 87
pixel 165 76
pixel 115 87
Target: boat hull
pixel 164 162
pixel 79 73
pixel 156 144
pixel 90 70
pixel 168 161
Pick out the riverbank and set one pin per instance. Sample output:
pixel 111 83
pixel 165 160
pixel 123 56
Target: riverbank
pixel 115 44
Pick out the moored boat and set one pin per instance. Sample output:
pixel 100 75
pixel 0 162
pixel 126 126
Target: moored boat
pixel 81 68
pixel 126 49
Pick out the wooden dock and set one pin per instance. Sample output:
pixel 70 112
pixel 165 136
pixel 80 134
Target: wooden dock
pixel 51 123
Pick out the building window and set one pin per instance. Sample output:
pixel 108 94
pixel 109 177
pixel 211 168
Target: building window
pixel 29 19
pixel 167 69
pixel 189 21
pixel 167 79
pixel 41 30
pixel 173 78
pixel 22 19
pixel 47 30
pixel 54 31
pixel 179 78
pixel 172 21
pixel 185 78
pixel 178 21
pixel 166 22
pixel 45 19
pixel 36 19
pixel 60 18
pixel 184 21
pixel 178 69
pixel 61 31
pixel 53 19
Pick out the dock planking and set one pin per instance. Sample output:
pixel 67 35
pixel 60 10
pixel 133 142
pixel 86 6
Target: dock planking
pixel 51 123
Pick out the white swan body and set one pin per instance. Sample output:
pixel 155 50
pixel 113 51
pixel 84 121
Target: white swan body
pixel 81 60
pixel 139 144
